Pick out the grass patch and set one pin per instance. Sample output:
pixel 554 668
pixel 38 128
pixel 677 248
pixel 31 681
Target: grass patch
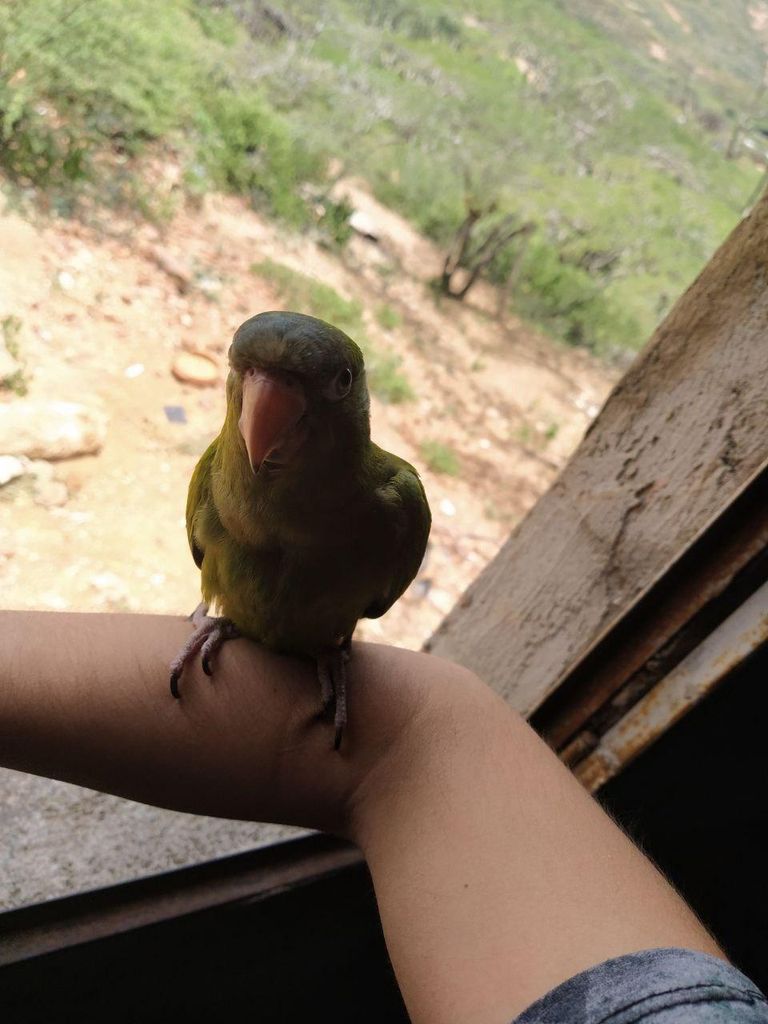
pixel 10 329
pixel 305 294
pixel 386 379
pixel 388 318
pixel 440 458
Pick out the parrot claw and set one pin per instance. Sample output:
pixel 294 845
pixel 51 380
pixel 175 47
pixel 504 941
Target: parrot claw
pixel 340 715
pixel 327 696
pixel 210 633
pixel 332 675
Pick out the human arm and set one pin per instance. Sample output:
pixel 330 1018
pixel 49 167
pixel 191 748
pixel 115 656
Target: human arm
pixel 496 875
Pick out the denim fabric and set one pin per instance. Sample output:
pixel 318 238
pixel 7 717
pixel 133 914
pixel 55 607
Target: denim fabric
pixel 665 986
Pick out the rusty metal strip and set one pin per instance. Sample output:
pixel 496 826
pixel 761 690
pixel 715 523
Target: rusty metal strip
pixel 698 674
pixel 719 570
pixel 258 874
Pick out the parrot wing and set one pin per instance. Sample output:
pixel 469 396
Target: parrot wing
pixel 198 497
pixel 405 510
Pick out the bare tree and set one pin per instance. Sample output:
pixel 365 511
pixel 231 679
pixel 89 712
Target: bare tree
pixel 475 246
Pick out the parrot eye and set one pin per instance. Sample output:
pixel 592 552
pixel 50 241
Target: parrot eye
pixel 340 385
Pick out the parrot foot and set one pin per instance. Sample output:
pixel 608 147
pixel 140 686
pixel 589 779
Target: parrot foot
pixel 210 633
pixel 332 676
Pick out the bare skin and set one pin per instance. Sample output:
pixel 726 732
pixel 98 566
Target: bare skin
pixel 497 877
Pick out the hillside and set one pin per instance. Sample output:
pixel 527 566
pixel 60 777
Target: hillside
pixel 489 417
pixel 606 126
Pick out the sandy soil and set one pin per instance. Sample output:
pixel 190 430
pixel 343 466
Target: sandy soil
pixel 95 304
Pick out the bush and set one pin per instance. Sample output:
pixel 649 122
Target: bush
pixel 87 87
pixel 572 304
pixel 334 221
pixel 245 148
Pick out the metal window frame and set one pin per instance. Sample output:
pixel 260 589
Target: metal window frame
pixel 59 924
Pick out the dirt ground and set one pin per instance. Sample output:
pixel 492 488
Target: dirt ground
pixel 102 320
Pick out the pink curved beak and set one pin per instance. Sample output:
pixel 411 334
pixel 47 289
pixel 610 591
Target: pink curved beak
pixel 273 404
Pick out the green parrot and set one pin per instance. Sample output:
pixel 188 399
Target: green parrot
pixel 299 523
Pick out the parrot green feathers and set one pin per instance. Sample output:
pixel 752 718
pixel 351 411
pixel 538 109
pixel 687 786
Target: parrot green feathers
pixel 299 523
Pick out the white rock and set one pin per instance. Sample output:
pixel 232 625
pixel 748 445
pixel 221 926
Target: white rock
pixel 108 581
pixel 10 468
pixel 66 281
pixel 364 225
pixel 209 285
pixel 134 370
pixel 82 258
pixel 51 430
pixel 441 599
pixel 78 518
pixel 447 507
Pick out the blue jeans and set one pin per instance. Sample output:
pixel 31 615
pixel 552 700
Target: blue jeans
pixel 658 986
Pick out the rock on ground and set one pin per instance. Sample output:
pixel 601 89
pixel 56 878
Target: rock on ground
pixel 10 468
pixel 51 430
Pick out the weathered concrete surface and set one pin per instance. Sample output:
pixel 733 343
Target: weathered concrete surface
pixel 59 839
pixel 679 435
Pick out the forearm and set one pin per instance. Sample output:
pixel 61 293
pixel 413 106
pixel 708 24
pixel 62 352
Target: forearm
pixel 85 698
pixel 496 875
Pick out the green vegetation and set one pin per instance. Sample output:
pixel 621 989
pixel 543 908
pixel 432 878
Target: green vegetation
pixel 334 221
pixel 386 379
pixel 607 126
pixel 10 328
pixel 308 295
pixel 388 318
pixel 86 89
pixel 439 457
pixel 586 119
pixel 535 437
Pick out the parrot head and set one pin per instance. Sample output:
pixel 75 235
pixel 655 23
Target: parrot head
pixel 297 388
